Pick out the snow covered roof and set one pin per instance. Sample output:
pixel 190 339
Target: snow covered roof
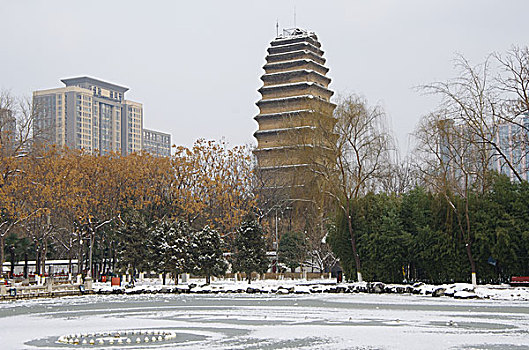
pixel 286 114
pixel 282 114
pixel 293 98
pixel 273 131
pixel 290 47
pixel 295 32
pixel 271 87
pixel 287 56
pixel 286 98
pixel 294 63
pixel 277 167
pixel 296 85
pixel 279 148
pixel 307 71
pixel 271 76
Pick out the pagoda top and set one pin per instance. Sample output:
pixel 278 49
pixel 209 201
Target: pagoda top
pixel 290 32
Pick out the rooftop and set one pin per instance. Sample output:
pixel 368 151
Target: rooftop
pixel 93 81
pixel 290 32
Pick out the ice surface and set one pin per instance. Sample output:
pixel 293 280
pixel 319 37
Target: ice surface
pixel 257 321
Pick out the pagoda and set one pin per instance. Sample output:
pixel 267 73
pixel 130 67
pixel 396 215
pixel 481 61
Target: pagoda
pixel 294 112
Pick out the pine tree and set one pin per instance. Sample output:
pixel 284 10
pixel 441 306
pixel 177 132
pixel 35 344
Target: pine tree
pixel 250 254
pixel 292 249
pixel 169 248
pixel 132 252
pixel 206 252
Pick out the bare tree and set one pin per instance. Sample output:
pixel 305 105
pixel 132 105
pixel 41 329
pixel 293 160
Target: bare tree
pixel 513 81
pixel 358 157
pixel 475 130
pixel 16 121
pixel 488 107
pixel 455 166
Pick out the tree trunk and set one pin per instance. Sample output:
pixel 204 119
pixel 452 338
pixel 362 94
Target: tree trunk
pixel 249 277
pixel 468 240
pixel 43 257
pixel 208 279
pixel 133 272
pixel 472 263
pixel 37 259
pixel 90 253
pixel 69 262
pixel 12 252
pixel 26 264
pixel 103 264
pixel 353 246
pixel 80 255
pixel 2 257
pixel 113 253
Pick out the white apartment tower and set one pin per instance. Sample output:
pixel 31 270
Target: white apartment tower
pixel 89 114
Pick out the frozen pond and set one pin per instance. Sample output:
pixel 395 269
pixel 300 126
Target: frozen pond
pixel 228 321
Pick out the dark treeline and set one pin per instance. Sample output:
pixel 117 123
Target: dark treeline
pixel 414 236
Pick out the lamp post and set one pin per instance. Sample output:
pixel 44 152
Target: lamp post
pixel 12 252
pixel 277 246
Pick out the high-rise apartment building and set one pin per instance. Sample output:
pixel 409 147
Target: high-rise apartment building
pixel 7 128
pixel 513 141
pixel 294 111
pixel 157 143
pixel 89 114
pixel 132 126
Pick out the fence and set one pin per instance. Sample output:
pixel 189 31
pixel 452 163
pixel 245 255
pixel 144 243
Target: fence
pixel 44 291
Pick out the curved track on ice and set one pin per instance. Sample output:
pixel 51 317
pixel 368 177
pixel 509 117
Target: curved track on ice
pixel 337 321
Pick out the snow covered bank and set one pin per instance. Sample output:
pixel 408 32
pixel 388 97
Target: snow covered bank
pixel 456 290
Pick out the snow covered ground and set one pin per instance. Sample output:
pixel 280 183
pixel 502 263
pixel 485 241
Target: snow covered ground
pixel 456 290
pixel 273 321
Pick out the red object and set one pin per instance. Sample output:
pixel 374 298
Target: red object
pixel 115 281
pixel 519 279
pixel 103 278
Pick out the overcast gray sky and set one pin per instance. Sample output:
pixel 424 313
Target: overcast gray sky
pixel 195 65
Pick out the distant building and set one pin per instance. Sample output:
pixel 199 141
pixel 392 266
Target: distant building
pixel 513 141
pixel 460 147
pixel 7 127
pixel 157 143
pixel 132 127
pixel 88 114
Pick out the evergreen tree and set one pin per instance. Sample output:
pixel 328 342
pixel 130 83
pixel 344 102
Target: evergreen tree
pixel 206 252
pixel 250 253
pixel 132 252
pixel 169 248
pixel 386 245
pixel 15 249
pixel 292 249
pixel 501 223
